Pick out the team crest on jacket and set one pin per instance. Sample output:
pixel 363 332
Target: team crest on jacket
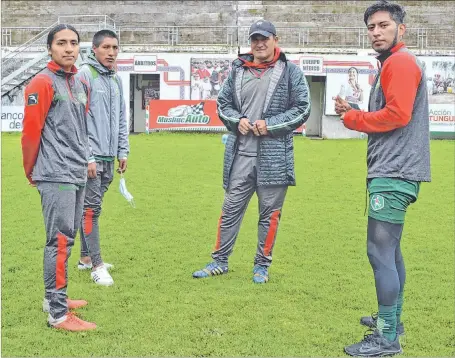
pixel 32 99
pixel 377 202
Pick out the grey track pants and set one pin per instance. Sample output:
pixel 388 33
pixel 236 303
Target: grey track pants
pixel 94 193
pixel 242 186
pixel 62 206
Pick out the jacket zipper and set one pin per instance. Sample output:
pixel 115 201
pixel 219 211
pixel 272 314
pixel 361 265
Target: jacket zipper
pixel 69 87
pixel 110 114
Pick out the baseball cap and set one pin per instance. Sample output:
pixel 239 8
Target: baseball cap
pixel 262 27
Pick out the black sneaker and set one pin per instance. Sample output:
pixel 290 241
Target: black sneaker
pixel 374 344
pixel 370 322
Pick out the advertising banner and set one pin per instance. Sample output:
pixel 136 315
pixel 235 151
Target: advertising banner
pixel 187 115
pixel 184 115
pixel 440 73
pixel 12 117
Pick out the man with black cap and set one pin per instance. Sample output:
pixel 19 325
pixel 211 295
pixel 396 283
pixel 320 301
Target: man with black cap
pixel 264 99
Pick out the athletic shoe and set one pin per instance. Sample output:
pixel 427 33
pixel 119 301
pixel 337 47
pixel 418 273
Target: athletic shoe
pixel 260 274
pixel 101 277
pixel 370 321
pixel 211 269
pixel 81 266
pixel 374 344
pixel 72 304
pixel 70 322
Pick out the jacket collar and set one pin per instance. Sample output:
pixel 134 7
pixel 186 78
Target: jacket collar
pixel 58 70
pixel 92 61
pixel 384 56
pixel 248 57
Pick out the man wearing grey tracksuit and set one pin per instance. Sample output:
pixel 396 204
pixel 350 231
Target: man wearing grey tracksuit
pixel 55 150
pixel 264 99
pixel 108 136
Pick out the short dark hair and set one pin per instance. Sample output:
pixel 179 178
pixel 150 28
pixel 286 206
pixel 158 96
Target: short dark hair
pixel 58 28
pixel 396 11
pixel 101 35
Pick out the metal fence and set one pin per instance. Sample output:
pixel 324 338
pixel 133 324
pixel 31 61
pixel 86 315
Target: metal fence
pixel 15 63
pixel 232 36
pixel 179 35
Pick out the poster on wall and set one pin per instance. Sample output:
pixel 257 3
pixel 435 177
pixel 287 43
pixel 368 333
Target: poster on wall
pixel 184 115
pixel 207 76
pixel 440 73
pixel 351 80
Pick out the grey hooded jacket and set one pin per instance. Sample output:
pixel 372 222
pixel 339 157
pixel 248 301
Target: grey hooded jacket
pixel 54 140
pixel 287 107
pixel 106 119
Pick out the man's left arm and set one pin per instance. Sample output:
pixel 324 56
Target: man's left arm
pixel 299 111
pixel 400 80
pixel 123 143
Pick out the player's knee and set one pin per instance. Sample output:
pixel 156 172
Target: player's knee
pixel 372 254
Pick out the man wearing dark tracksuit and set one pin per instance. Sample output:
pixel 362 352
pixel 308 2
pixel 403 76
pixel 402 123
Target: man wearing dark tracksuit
pixel 108 135
pixel 398 160
pixel 264 99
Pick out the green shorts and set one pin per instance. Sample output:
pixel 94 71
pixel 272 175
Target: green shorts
pixel 390 197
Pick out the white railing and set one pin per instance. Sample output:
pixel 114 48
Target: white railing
pixel 178 35
pixel 16 59
pixel 22 63
pixel 233 36
pixel 103 21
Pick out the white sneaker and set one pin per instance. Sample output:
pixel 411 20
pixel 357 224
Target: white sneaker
pixel 81 266
pixel 101 277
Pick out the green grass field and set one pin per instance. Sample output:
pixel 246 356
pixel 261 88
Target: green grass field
pixel 320 282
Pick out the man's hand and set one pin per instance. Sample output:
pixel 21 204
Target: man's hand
pixel 260 128
pixel 122 164
pixel 91 173
pixel 341 105
pixel 245 126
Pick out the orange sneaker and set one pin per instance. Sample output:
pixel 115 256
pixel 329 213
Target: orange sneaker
pixel 72 304
pixel 73 324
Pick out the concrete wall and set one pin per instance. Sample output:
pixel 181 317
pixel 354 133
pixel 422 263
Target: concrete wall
pixel 141 14
pixel 342 13
pixel 282 13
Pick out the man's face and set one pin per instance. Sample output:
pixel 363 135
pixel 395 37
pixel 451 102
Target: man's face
pixel 209 65
pixel 383 31
pixel 64 49
pixel 263 48
pixel 106 53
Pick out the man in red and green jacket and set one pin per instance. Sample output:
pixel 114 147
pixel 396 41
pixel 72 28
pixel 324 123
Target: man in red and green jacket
pixel 398 160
